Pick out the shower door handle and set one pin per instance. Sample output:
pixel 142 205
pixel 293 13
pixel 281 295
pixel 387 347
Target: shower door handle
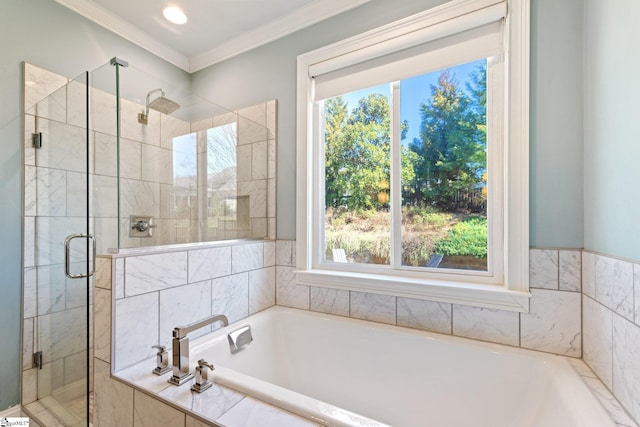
pixel 67 256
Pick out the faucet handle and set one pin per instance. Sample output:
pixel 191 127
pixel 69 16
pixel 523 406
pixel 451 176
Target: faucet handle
pixel 162 360
pixel 202 363
pixel 202 382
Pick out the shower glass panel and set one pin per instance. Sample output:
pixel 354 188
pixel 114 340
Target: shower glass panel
pixel 189 169
pixel 63 255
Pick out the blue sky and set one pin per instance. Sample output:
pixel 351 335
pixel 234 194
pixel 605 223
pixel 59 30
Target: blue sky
pixel 413 92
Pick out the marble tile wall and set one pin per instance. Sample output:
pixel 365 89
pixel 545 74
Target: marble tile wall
pixel 154 292
pixel 553 324
pixel 611 325
pixel 54 307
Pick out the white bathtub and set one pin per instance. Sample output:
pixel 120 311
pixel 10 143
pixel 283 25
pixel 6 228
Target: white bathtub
pixel 346 372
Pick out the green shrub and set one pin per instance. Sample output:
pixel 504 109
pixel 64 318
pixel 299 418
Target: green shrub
pixel 468 237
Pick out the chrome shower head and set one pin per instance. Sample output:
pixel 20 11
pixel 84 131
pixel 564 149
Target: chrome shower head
pixel 161 104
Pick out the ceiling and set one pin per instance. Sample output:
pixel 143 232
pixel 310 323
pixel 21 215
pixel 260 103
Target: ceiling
pixel 216 29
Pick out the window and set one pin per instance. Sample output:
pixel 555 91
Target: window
pixel 413 158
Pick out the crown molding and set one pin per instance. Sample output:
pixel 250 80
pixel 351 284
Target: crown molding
pixel 126 30
pixel 296 20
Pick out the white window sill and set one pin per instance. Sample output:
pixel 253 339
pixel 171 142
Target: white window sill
pixel 486 296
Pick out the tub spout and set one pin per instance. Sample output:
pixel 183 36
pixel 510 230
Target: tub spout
pixel 180 347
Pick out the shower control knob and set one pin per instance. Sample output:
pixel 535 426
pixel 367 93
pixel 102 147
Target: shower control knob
pixel 143 226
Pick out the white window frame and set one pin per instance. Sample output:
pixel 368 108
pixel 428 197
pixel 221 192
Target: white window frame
pixel 507 289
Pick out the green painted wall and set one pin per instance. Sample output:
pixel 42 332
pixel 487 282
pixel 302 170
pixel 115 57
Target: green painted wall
pixel 556 105
pixel 611 141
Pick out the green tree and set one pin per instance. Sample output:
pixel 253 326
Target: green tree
pixel 451 147
pixel 358 152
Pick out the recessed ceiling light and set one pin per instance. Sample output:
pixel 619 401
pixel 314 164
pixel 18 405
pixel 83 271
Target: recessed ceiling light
pixel 175 15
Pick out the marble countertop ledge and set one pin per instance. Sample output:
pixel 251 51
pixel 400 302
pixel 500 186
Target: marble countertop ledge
pixel 218 405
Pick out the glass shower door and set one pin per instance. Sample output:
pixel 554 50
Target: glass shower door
pixel 63 255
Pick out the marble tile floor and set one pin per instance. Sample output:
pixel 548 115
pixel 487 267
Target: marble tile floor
pixel 48 412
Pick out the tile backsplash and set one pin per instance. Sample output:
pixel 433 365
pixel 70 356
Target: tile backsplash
pixel 150 294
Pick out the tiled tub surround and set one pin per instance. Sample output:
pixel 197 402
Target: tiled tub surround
pixel 611 325
pixel 554 324
pixel 141 297
pixel 438 317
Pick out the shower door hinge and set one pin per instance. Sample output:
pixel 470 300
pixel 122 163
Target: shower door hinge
pixel 36 140
pixel 37 360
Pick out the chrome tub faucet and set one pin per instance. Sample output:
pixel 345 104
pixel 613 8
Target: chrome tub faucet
pixel 180 347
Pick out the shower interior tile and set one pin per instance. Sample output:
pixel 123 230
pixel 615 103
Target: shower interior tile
pixel 52 284
pixel 249 131
pixel 104 200
pixel 29 130
pixel 39 83
pixel 271 161
pixel 102 325
pixel 106 234
pixel 259 228
pixel 77 105
pixel 30 291
pixel 130 159
pixel 131 129
pixel 225 119
pixel 103 109
pixel 271 198
pixel 272 118
pixel 62 333
pixel 51 196
pixel 29 386
pixel 256 113
pixel 105 154
pixel 30 188
pixel 272 229
pixel 54 106
pixel 64 146
pixel 243 168
pixel 29 241
pixel 52 232
pixel 259 160
pixel 76 192
pixel 139 198
pixel 171 127
pixel 201 125
pixel 27 343
pixel 157 164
